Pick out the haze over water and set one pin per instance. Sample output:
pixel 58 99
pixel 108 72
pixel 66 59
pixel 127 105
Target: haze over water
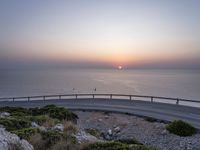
pixel 169 83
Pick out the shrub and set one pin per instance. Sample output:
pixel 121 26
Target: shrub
pixel 37 141
pixel 60 113
pixel 14 124
pixel 15 110
pixel 53 111
pixel 51 137
pixel 69 128
pixel 25 133
pixel 107 146
pixel 41 119
pixel 94 132
pixel 115 146
pixel 181 128
pixel 65 145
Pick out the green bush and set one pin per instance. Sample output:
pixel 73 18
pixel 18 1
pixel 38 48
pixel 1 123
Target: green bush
pixel 14 123
pixel 41 119
pixel 181 128
pixel 51 137
pixel 60 113
pixel 107 146
pixel 25 133
pixel 15 110
pixel 94 132
pixel 115 146
pixel 53 111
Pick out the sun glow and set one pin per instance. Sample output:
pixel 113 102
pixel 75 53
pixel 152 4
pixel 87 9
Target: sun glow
pixel 120 67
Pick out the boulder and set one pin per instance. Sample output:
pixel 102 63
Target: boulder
pixel 8 139
pixel 4 114
pixel 82 136
pixel 59 127
pixel 42 128
pixel 110 132
pixel 117 129
pixel 34 125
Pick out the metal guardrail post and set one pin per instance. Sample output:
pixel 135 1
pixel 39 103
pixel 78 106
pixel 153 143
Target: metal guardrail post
pixel 93 96
pixel 59 97
pixel 28 99
pixel 13 99
pixel 130 97
pixel 152 99
pixel 76 96
pixel 110 96
pixel 44 98
pixel 177 101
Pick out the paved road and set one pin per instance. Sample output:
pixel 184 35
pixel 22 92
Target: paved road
pixel 167 112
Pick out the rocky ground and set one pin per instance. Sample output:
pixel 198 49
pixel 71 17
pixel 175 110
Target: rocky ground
pixel 11 141
pixel 91 127
pixel 121 126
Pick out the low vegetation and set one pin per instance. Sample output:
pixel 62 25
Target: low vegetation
pixel 181 128
pixel 115 146
pixel 25 133
pixel 20 123
pixel 12 124
pixel 43 136
pixel 94 132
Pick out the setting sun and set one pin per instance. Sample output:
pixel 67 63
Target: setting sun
pixel 119 67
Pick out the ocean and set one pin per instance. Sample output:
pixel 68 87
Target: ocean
pixel 169 83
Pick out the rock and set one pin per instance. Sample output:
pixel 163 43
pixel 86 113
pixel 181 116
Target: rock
pixel 100 120
pixel 106 117
pixel 26 144
pixel 42 128
pixel 7 139
pixel 189 146
pixel 34 125
pixel 164 132
pixel 4 114
pixel 117 129
pixel 82 136
pixel 59 127
pixel 110 132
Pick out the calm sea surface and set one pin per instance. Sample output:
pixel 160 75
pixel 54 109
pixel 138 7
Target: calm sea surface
pixel 169 83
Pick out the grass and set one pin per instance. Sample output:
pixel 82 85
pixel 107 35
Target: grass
pixel 115 146
pixel 69 128
pixel 181 128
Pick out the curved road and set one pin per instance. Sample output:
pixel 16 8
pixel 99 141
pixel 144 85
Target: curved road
pixel 167 112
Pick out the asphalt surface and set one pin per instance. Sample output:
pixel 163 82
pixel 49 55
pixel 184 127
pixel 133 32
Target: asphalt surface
pixel 161 111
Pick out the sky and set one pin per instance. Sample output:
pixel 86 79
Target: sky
pixel 100 33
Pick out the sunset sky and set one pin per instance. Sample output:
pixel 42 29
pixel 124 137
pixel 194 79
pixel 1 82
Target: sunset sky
pixel 101 33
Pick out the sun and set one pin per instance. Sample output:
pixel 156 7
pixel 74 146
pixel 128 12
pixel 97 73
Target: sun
pixel 120 67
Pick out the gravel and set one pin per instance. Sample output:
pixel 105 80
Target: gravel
pixel 125 126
